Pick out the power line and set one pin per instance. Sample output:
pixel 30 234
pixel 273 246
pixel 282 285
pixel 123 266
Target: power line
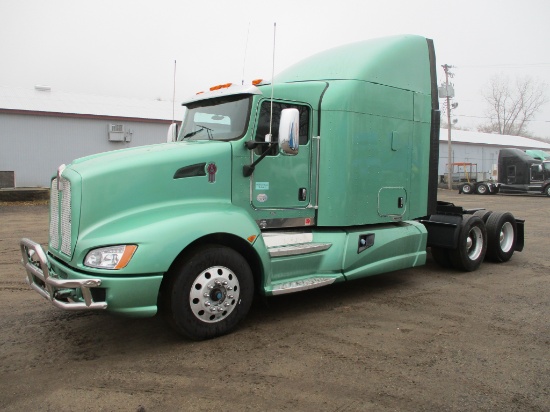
pixel 502 66
pixel 486 117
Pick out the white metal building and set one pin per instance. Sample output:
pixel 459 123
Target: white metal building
pixel 41 129
pixel 480 149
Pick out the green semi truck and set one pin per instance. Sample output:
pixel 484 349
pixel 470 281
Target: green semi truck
pixel 326 175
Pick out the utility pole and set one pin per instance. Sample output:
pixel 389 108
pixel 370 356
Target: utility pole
pixel 448 93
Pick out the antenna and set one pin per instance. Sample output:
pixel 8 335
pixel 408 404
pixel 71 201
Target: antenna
pixel 245 50
pixel 272 77
pixel 174 96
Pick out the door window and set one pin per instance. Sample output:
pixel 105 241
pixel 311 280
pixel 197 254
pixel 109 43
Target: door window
pixel 263 123
pixel 536 173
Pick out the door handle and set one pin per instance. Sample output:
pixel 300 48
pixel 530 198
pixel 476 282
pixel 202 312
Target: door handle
pixel 302 194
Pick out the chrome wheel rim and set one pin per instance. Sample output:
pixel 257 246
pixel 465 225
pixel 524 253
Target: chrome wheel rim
pixel 474 243
pixel 214 294
pixel 506 237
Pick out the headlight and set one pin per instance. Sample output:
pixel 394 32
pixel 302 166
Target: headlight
pixel 110 257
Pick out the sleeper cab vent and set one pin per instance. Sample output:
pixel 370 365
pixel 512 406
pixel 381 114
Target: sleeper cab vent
pixel 191 171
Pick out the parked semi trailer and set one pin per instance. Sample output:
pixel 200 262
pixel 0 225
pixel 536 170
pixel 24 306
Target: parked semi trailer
pixel 328 174
pixel 518 172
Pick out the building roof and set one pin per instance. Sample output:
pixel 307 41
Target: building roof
pixel 41 100
pixel 489 139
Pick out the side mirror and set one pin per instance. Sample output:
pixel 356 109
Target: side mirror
pixel 172 133
pixel 289 132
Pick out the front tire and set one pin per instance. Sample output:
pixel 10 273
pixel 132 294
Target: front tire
pixel 501 236
pixel 210 292
pixel 472 244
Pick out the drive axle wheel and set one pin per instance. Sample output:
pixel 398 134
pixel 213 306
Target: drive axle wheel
pixel 501 235
pixel 467 189
pixel 483 214
pixel 482 189
pixel 472 244
pixel 210 292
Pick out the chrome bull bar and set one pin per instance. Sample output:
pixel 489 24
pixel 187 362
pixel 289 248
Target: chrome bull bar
pixel 38 277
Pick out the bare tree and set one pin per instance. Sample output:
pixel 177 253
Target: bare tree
pixel 511 105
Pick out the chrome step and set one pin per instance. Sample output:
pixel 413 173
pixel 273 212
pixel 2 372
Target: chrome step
pixel 299 285
pixel 292 243
pixel 272 239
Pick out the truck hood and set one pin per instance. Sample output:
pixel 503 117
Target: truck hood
pixel 110 185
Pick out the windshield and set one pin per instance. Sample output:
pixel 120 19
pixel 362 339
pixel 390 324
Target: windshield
pixel 547 166
pixel 224 118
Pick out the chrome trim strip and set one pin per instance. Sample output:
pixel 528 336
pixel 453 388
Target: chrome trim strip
pixel 318 139
pixel 298 249
pixel 285 222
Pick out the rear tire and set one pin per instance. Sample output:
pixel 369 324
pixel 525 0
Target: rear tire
pixel 210 292
pixel 483 214
pixel 482 189
pixel 472 244
pixel 501 236
pixel 467 189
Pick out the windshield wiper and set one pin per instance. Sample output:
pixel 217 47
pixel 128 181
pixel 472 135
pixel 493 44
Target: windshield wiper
pixel 210 136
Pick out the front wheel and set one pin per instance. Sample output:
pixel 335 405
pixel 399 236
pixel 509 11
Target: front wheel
pixel 472 244
pixel 547 190
pixel 210 292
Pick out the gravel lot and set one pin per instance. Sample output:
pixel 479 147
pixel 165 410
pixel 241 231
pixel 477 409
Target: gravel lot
pixel 425 339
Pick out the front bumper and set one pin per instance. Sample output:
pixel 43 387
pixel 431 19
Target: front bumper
pixel 61 292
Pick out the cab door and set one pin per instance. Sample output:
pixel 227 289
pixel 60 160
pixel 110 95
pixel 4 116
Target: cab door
pixel 280 181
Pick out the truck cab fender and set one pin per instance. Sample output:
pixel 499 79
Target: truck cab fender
pixel 163 233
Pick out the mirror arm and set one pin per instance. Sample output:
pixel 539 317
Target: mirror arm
pixel 249 169
pixel 252 144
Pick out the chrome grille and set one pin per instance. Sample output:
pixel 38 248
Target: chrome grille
pixel 54 215
pixel 60 231
pixel 66 217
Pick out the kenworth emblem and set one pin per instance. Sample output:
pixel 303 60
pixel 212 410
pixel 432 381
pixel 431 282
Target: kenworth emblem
pixel 211 169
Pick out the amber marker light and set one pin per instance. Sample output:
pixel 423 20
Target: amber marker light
pixel 251 238
pixel 126 256
pixel 220 86
pixel 257 82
